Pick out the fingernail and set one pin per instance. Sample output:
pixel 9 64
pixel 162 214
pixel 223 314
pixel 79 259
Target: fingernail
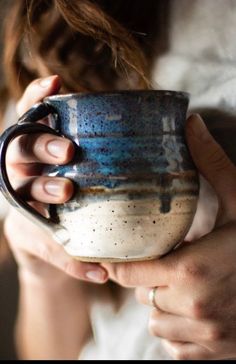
pixel 98 276
pixel 199 128
pixel 45 82
pixel 54 188
pixel 57 147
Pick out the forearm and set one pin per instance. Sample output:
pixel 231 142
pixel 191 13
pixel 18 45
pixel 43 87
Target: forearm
pixel 52 320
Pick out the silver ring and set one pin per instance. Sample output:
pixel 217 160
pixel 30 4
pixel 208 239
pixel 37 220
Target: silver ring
pixel 151 297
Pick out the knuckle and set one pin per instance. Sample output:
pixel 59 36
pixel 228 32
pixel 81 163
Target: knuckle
pixel 198 309
pixel 180 354
pixel 73 269
pixel 123 274
pixel 68 267
pixel 44 254
pixel 19 147
pixel 192 270
pixel 213 333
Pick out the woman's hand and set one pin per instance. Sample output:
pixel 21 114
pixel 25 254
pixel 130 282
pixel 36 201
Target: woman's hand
pixel 196 283
pixel 33 249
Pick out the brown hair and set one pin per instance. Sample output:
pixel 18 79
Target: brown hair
pixel 92 45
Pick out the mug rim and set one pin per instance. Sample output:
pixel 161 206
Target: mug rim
pixel 177 94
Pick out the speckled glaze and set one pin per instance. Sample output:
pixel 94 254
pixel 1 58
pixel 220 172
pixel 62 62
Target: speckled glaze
pixel 136 187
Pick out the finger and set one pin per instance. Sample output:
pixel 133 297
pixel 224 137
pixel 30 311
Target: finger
pixel 186 351
pixel 18 173
pixel 36 91
pixel 177 328
pixel 149 273
pixel 47 189
pixel 42 148
pixel 57 257
pixel 212 162
pixel 40 246
pixel 163 299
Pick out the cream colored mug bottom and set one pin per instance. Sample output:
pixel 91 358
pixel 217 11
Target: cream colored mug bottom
pixel 127 230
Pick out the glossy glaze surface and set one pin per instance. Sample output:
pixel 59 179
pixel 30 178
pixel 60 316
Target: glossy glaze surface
pixel 132 167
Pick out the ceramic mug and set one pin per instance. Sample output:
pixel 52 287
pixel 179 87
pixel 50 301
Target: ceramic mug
pixel 136 187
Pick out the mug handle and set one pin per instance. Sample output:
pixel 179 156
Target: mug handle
pixel 27 125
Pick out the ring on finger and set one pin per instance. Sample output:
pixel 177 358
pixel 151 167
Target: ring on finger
pixel 152 297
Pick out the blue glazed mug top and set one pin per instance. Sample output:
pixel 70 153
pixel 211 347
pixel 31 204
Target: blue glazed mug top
pixel 128 113
pixel 136 185
pixel 120 133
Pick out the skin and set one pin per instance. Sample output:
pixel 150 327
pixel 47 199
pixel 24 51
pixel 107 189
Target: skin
pixel 50 280
pixel 196 295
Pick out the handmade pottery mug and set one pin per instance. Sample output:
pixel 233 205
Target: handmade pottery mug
pixel 136 187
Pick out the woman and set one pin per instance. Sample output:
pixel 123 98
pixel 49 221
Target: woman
pixel 101 46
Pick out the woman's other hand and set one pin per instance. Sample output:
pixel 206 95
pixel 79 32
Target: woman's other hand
pixel 195 299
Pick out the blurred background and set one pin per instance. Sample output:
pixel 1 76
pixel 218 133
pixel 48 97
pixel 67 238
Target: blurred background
pixel 8 272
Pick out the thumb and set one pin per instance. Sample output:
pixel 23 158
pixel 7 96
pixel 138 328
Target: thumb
pixel 212 162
